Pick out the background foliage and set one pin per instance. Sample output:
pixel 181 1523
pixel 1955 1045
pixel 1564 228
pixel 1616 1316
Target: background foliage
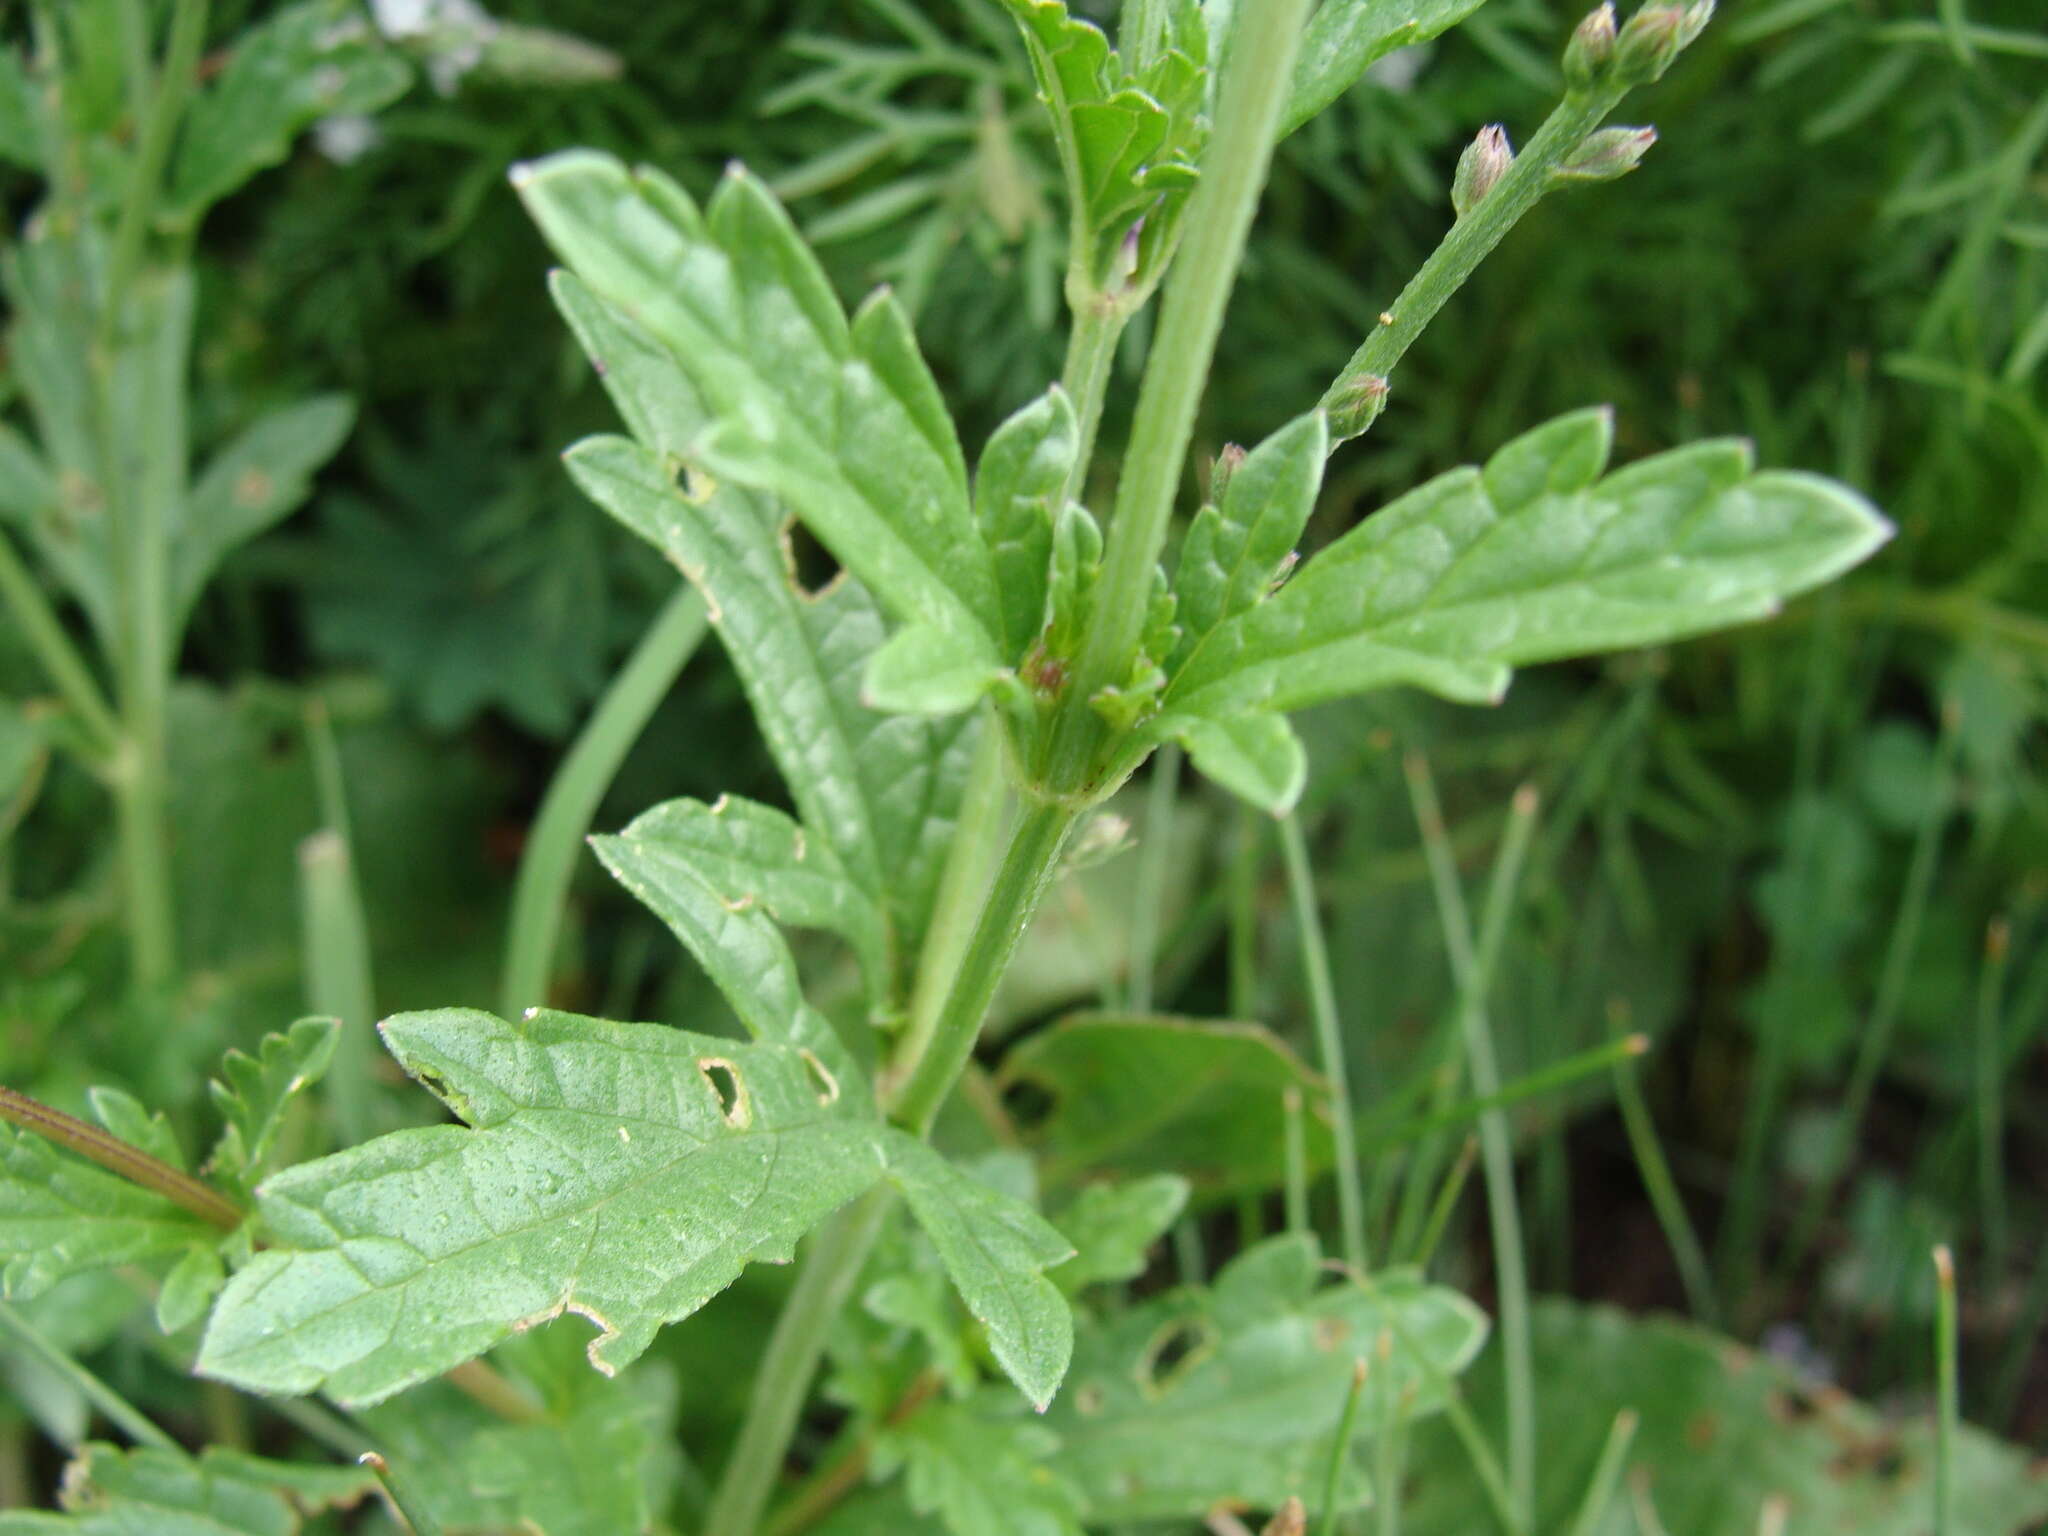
pixel 1808 859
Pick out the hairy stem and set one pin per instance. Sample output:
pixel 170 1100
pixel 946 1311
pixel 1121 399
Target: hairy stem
pixel 1012 900
pixel 549 861
pixel 1253 93
pixel 1474 236
pixel 118 1156
pixel 153 152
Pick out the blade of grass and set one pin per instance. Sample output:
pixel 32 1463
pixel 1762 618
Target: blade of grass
pixel 1990 1115
pixel 1606 1474
pixel 1244 915
pixel 1875 1044
pixel 2022 1343
pixel 403 1498
pixel 1665 1199
pixel 1315 965
pixel 1472 966
pixel 1544 1080
pixel 1297 1161
pixel 1340 1451
pixel 116 1409
pixel 1945 1376
pixel 566 811
pixel 340 982
pixel 1153 855
pixel 1446 1202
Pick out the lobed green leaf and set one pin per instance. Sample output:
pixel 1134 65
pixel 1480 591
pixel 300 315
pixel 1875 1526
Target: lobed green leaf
pixel 748 858
pixel 60 1216
pixel 253 1093
pixel 1233 1395
pixel 624 1172
pixel 995 1248
pixel 256 480
pixel 1150 1094
pixel 1129 145
pixel 981 1470
pixel 1533 559
pixel 1721 1433
pixel 881 790
pixel 1016 488
pixel 843 422
pixel 1347 37
pixel 316 59
pixel 147 1492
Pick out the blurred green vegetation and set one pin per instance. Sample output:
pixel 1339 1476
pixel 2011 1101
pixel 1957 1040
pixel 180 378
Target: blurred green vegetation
pixel 1809 859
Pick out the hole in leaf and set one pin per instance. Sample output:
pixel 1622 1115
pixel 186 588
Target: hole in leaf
pixel 823 1083
pixel 811 566
pixel 1028 1102
pixel 729 1088
pixel 1174 1350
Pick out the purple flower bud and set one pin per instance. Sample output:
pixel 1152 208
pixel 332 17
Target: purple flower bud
pixel 1354 403
pixel 1485 161
pixel 1606 154
pixel 1655 36
pixel 1225 466
pixel 1586 56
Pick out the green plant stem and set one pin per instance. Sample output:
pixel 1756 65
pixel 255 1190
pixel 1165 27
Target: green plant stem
pixel 1473 968
pixel 1296 1152
pixel 402 1496
pixel 784 1377
pixel 118 1156
pixel 1989 1078
pixel 1315 966
pixel 566 811
pixel 1474 236
pixel 1256 80
pixel 1020 884
pixel 1665 1200
pixel 153 152
pixel 1340 1452
pixel 1244 915
pixel 1875 1044
pixel 1606 1473
pixel 125 1416
pixel 1153 856
pixel 1099 321
pixel 1446 1202
pixel 60 659
pixel 1949 1416
pixel 977 843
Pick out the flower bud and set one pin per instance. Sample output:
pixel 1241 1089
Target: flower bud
pixel 1605 154
pixel 1655 36
pixel 1354 403
pixel 1220 472
pixel 1485 161
pixel 1586 56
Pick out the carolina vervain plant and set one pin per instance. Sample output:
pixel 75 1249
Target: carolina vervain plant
pixel 948 715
